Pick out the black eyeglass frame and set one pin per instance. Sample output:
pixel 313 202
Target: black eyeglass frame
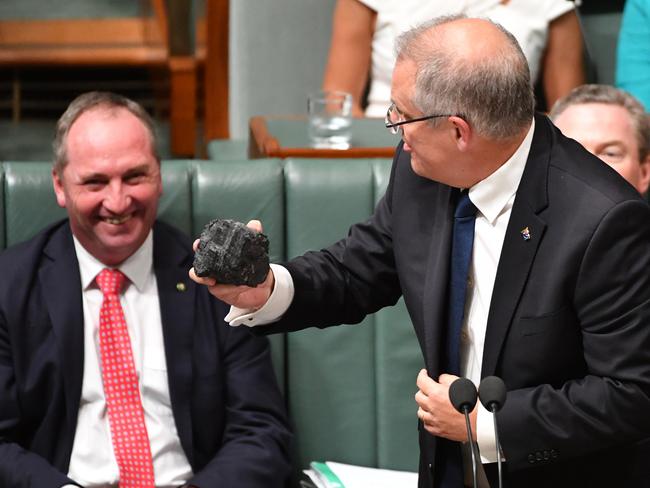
pixel 394 127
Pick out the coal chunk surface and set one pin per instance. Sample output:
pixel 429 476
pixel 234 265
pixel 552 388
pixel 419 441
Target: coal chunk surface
pixel 231 253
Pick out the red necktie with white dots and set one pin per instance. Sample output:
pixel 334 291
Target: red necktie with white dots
pixel 125 412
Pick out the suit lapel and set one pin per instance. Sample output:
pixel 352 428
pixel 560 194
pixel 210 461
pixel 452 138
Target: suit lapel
pixel 61 286
pixel 437 277
pixel 523 236
pixel 176 293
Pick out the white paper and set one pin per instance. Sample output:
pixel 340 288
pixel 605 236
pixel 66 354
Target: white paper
pixel 361 477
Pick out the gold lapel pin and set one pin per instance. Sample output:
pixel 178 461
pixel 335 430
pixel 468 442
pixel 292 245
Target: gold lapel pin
pixel 525 233
pixel 180 286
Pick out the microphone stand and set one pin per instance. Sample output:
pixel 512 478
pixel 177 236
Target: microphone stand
pixel 493 409
pixel 471 445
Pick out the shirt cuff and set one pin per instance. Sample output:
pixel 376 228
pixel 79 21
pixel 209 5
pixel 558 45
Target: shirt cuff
pixel 485 435
pixel 275 306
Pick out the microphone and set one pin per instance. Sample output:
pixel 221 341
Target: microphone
pixel 462 394
pixel 492 392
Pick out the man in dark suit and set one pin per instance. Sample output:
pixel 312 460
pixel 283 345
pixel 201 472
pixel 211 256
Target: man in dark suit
pixel 549 290
pixel 202 407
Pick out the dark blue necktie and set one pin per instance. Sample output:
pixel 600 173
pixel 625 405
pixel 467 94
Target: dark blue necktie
pixel 461 255
pixel 449 466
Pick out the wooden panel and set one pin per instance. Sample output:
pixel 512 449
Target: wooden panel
pixel 216 70
pixel 84 56
pixel 85 32
pixel 183 105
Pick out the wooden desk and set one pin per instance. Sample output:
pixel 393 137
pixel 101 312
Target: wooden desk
pixel 284 137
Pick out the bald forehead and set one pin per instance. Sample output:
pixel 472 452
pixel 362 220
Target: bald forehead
pixel 103 121
pixel 468 38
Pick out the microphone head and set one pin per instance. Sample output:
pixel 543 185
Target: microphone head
pixel 492 392
pixel 462 394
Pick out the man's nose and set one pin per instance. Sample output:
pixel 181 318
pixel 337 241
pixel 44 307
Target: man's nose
pixel 117 198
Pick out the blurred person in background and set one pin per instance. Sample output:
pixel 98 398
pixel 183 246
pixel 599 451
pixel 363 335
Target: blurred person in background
pixel 611 124
pixel 364 33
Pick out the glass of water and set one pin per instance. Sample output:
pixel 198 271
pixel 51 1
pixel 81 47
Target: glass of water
pixel 330 117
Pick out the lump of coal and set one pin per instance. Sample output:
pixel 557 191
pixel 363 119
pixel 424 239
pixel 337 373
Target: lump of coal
pixel 231 253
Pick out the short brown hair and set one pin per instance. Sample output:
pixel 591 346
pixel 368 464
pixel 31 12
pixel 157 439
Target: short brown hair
pixel 85 102
pixel 592 93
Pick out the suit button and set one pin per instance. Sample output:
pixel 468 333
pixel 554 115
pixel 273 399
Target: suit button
pixel 554 454
pixel 547 455
pixel 431 467
pixel 531 459
pixel 538 456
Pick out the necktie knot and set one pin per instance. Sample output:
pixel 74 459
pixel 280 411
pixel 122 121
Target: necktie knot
pixel 110 281
pixel 464 206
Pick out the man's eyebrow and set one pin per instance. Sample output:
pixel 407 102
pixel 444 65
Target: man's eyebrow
pixel 403 113
pixel 92 176
pixel 142 168
pixel 611 142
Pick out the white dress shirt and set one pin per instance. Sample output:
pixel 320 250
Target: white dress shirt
pixel 92 463
pixel 493 197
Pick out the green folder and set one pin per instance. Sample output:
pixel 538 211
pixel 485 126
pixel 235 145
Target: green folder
pixel 326 475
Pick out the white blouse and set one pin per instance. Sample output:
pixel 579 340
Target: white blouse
pixel 527 20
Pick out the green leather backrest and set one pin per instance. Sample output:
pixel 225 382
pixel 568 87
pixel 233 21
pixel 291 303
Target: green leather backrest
pixel 30 203
pixel 241 190
pixel 175 206
pixel 244 190
pixel 346 383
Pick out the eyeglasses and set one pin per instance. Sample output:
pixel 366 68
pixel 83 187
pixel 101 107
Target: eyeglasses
pixel 395 120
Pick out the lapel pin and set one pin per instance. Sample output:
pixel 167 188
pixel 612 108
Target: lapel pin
pixel 180 286
pixel 525 233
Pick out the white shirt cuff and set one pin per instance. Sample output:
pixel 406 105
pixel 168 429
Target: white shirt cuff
pixel 275 306
pixel 485 436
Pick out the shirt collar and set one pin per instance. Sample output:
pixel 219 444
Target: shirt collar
pixel 137 267
pixel 491 195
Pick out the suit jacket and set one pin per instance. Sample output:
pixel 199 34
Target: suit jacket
pixel 569 322
pixel 226 404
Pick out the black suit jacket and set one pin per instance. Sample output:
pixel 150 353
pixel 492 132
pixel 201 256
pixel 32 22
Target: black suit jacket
pixel 228 410
pixel 569 322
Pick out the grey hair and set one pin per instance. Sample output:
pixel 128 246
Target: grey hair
pixel 611 96
pixel 86 102
pixel 494 95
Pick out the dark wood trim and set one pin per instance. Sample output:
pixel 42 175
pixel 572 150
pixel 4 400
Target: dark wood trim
pixel 183 105
pixel 216 119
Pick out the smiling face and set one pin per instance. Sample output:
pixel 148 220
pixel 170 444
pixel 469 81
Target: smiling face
pixel 111 184
pixel 606 131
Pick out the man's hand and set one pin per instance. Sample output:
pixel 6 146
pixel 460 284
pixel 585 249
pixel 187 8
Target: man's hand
pixel 239 296
pixel 436 412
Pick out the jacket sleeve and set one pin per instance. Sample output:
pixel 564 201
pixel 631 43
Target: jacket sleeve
pixel 19 468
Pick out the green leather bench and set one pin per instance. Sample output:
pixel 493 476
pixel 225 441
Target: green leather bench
pixel 349 389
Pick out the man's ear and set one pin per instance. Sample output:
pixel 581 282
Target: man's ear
pixel 644 175
pixel 58 188
pixel 463 132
